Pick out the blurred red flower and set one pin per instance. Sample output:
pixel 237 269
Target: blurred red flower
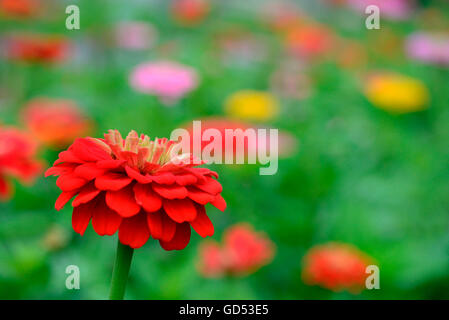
pixel 19 8
pixel 310 41
pixel 55 122
pixel 190 12
pixel 17 159
pixel 137 187
pixel 336 266
pixel 243 251
pixel 221 124
pixel 38 48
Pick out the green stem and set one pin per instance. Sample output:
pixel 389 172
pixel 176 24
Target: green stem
pixel 120 272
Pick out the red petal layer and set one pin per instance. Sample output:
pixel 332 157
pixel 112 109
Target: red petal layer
pixel 63 198
pixel 199 196
pixel 104 220
pixel 180 240
pixel 81 216
pixel 164 178
pixel 219 203
pixel 112 181
pixel 210 185
pixel 170 191
pixel 87 193
pixel 70 182
pixel 88 171
pixel 147 198
pixel 134 231
pixel 202 224
pixel 123 202
pixel 134 174
pixel 161 226
pixel 180 210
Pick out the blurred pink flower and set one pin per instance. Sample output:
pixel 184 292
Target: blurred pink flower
pixel 428 47
pixel 135 35
pixel 168 80
pixel 391 9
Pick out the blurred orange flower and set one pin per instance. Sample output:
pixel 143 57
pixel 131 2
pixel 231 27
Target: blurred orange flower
pixel 190 12
pixel 243 251
pixel 310 41
pixel 336 266
pixel 38 48
pixel 55 122
pixel 17 159
pixel 19 8
pixel 396 93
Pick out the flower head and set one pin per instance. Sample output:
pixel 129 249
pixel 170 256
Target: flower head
pixel 138 187
pixel 17 159
pixel 190 12
pixel 168 80
pixel 243 251
pixel 55 122
pixel 310 41
pixel 19 8
pixel 336 266
pixel 429 48
pixel 252 105
pixel 396 93
pixel 36 48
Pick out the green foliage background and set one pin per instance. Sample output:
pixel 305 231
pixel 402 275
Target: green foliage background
pixel 361 175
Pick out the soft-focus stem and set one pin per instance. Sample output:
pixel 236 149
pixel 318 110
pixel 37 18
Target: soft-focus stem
pixel 121 270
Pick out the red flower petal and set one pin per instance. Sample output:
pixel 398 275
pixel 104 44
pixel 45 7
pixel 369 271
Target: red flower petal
pixel 134 231
pixel 110 164
pixel 112 181
pixel 170 191
pixel 68 156
pixel 87 194
pixel 70 182
pixel 164 178
pixel 123 202
pixel 63 198
pixel 219 203
pixel 161 226
pixel 81 217
pixel 88 171
pixel 147 198
pixel 202 224
pixel 87 150
pixel 186 179
pixel 180 240
pixel 180 210
pixel 104 220
pixel 210 185
pixel 134 174
pixel 199 196
pixel 60 169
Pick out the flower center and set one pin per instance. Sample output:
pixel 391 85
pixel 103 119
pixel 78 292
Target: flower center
pixel 139 151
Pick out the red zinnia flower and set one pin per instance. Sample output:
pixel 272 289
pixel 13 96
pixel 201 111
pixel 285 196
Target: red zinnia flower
pixel 336 266
pixel 37 48
pixel 243 251
pixel 17 151
pixel 310 41
pixel 189 12
pixel 55 122
pixel 137 187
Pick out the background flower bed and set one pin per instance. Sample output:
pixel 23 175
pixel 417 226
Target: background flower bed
pixel 360 175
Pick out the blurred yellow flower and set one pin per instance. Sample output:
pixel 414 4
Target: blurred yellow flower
pixel 396 93
pixel 252 105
